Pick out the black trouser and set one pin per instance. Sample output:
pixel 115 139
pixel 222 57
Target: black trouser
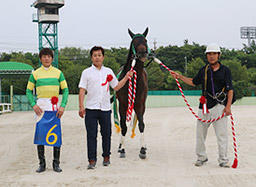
pixel 92 118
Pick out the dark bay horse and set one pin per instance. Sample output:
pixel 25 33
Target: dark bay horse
pixel 138 50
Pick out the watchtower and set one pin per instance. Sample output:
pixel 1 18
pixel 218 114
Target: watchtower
pixel 47 17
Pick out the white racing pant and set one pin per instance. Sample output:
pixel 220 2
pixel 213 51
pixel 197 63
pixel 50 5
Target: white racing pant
pixel 46 105
pixel 221 132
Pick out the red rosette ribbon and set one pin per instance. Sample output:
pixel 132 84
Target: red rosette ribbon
pixel 203 102
pixel 108 79
pixel 54 101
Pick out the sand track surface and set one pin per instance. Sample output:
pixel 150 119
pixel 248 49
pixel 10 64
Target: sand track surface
pixel 170 139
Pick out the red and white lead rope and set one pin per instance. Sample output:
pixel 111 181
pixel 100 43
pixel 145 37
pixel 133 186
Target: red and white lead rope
pixel 131 93
pixel 235 163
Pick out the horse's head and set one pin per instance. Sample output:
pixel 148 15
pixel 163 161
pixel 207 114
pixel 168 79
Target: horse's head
pixel 139 46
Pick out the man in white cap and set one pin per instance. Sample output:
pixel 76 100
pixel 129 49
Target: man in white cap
pixel 217 97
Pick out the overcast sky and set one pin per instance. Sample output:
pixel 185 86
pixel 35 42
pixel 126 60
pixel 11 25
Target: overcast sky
pixel 85 23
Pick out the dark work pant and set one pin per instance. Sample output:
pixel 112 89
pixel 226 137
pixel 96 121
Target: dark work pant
pixel 92 118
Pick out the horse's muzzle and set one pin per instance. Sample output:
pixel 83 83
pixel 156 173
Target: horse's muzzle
pixel 142 55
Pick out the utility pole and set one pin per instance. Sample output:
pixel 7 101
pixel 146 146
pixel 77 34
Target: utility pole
pixel 186 66
pixel 155 42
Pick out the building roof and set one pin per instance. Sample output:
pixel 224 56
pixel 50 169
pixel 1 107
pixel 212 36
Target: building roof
pixel 14 68
pixel 51 3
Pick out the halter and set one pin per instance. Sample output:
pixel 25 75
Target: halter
pixel 133 48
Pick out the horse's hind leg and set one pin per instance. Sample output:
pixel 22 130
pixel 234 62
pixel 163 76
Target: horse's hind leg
pixel 141 125
pixel 121 148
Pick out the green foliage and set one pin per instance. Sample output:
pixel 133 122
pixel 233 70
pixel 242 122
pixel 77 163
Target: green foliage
pixel 241 89
pixel 120 55
pixel 19 85
pixel 251 72
pixel 239 77
pixel 72 61
pixel 171 83
pixel 194 66
pixel 156 77
pixel 238 71
pixel 20 57
pixel 4 57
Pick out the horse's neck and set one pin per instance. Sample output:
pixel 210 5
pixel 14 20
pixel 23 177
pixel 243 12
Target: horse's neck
pixel 129 61
pixel 139 66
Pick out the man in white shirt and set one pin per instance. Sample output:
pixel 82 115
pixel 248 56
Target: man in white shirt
pixel 95 81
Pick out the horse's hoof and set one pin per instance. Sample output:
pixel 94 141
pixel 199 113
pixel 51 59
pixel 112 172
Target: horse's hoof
pixel 122 153
pixel 142 154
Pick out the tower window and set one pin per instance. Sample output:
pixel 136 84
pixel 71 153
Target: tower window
pixel 51 11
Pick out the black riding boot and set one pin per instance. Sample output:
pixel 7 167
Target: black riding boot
pixel 56 159
pixel 40 151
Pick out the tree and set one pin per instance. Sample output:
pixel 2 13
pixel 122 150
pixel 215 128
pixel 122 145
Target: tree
pixel 251 72
pixel 173 57
pixel 20 57
pixel 111 63
pixel 238 71
pixel 194 66
pixel 72 61
pixel 239 77
pixel 120 54
pixel 171 83
pixel 156 77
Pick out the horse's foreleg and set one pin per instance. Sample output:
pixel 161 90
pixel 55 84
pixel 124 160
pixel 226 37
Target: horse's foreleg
pixel 121 148
pixel 141 123
pixel 142 141
pixel 123 125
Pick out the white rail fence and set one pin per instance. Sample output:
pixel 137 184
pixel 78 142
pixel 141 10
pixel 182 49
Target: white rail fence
pixel 5 107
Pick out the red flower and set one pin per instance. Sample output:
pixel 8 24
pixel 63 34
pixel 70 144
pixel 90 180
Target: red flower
pixel 54 100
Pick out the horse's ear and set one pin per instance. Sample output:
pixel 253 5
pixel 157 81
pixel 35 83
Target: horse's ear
pixel 131 33
pixel 145 32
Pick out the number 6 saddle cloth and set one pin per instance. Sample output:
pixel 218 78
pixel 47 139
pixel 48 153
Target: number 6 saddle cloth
pixel 48 130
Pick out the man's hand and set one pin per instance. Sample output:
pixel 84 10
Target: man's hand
pixel 81 111
pixel 129 74
pixel 227 110
pixel 175 75
pixel 183 78
pixel 37 110
pixel 60 112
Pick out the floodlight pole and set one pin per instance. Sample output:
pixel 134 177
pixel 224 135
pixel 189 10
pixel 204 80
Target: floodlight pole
pixel 249 40
pixel 248 33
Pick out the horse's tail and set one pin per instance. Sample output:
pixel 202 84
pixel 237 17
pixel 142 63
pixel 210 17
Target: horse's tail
pixel 113 99
pixel 116 119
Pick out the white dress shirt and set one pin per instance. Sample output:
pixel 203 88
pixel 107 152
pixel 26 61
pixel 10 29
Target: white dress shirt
pixel 98 96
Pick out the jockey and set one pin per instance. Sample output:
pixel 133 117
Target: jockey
pixel 47 80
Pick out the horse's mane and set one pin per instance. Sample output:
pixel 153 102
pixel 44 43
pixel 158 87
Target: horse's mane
pixel 127 66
